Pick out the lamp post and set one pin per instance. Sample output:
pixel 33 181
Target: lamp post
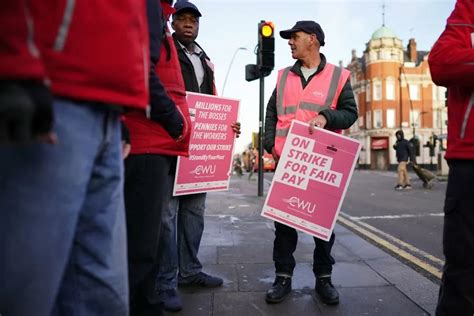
pixel 230 66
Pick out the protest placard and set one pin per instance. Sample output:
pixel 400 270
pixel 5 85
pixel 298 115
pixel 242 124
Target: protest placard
pixel 311 180
pixel 208 167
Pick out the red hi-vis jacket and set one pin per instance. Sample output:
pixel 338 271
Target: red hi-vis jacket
pixel 149 137
pixel 88 50
pixel 295 103
pixel 452 65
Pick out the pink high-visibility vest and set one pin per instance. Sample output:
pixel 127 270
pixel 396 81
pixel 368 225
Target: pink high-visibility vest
pixel 295 103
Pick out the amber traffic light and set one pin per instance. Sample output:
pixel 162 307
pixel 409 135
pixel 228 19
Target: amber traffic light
pixel 266 46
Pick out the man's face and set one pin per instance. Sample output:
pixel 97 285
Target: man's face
pixel 301 44
pixel 186 27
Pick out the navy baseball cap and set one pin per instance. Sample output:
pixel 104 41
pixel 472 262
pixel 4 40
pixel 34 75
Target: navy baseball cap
pixel 186 6
pixel 309 27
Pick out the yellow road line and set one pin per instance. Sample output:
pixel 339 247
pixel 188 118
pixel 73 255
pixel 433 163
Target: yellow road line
pixel 402 253
pixel 413 249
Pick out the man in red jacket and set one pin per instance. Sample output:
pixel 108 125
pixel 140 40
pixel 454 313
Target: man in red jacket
pixel 62 222
pixel 156 139
pixel 452 65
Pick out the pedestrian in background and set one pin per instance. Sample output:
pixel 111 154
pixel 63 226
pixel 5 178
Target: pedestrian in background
pixel 404 152
pixel 319 93
pixel 62 221
pixel 451 63
pixel 252 154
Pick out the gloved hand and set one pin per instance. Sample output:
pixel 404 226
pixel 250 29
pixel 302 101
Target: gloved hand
pixel 26 112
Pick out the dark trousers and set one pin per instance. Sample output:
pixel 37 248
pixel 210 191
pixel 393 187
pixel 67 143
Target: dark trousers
pixel 284 246
pixel 456 295
pixel 145 187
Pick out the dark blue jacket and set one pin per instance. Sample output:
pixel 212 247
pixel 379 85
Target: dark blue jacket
pixel 162 108
pixel 404 149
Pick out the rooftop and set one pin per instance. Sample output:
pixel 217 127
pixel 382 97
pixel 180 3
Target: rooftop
pixel 383 32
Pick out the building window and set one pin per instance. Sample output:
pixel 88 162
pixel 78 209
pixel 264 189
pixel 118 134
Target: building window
pixel 414 91
pixel 367 93
pixel 361 121
pixel 377 118
pixel 435 92
pixel 439 94
pixel 368 118
pixel 437 117
pixel 372 55
pixel 390 118
pixel 440 117
pixel 377 90
pixel 390 89
pixel 415 118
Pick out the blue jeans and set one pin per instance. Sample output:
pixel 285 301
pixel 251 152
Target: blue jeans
pixel 62 226
pixel 181 233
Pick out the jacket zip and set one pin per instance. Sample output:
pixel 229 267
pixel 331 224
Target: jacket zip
pixel 30 39
pixel 466 116
pixel 65 25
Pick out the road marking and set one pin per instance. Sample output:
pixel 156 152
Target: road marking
pixel 345 220
pixel 358 218
pixel 412 248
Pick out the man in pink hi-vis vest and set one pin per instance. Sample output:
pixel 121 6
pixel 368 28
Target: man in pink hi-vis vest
pixel 319 93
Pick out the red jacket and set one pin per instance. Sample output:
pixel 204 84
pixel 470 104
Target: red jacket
pixel 88 50
pixel 148 136
pixel 452 65
pixel 19 55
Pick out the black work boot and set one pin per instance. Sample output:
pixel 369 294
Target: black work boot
pixel 279 290
pixel 326 291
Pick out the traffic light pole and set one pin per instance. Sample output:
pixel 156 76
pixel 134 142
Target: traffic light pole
pixel 264 66
pixel 260 136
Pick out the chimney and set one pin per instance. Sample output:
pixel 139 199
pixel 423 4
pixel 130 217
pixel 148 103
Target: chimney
pixel 354 55
pixel 412 54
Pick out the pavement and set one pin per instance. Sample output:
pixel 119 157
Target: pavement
pixel 237 246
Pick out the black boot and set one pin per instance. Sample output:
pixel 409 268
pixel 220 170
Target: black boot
pixel 326 291
pixel 279 290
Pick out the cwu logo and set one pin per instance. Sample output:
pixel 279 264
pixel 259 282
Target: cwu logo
pixel 204 170
pixel 318 94
pixel 301 204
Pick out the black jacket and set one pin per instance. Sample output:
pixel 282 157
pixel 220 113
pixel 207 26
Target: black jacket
pixel 187 70
pixel 342 117
pixel 403 148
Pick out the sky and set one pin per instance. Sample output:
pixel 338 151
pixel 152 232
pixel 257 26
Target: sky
pixel 225 26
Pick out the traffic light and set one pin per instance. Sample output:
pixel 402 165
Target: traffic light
pixel 266 46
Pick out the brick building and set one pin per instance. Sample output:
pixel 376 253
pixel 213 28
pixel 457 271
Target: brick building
pixel 393 89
